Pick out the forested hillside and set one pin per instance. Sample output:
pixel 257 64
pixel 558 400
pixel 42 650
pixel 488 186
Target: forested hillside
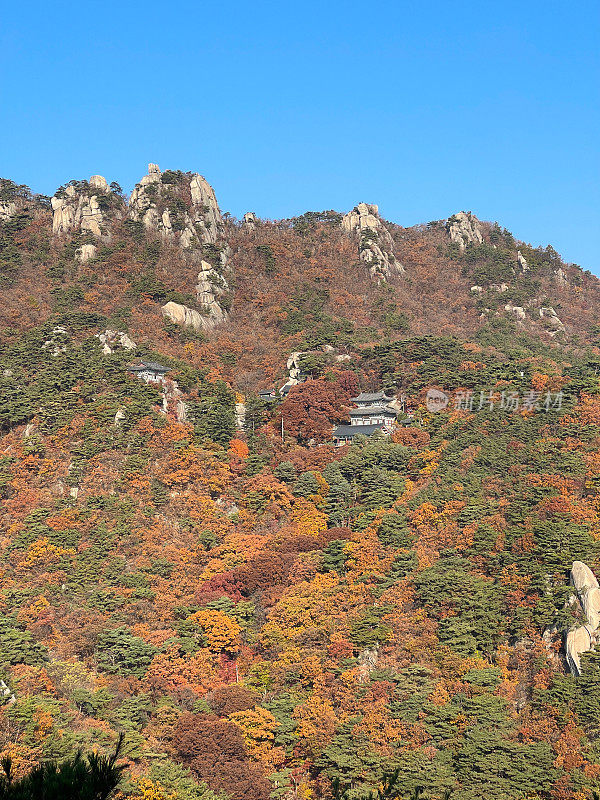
pixel 196 564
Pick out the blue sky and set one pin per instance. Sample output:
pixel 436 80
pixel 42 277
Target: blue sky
pixel 423 108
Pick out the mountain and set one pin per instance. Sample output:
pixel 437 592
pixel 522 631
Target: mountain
pixel 189 558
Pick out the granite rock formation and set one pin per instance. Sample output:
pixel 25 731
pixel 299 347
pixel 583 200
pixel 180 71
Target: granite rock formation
pixel 375 244
pixel 582 639
pixel 7 210
pixel 464 228
pixel 249 221
pixel 80 206
pixel 552 320
pixel 181 207
pixel 112 340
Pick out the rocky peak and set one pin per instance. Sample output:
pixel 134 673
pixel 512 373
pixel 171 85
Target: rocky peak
pixel 81 206
pixel 464 228
pixel 249 221
pixel 180 207
pixel 99 182
pixel 375 244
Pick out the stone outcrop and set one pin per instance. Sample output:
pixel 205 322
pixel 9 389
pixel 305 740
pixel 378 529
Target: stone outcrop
pixel 211 285
pixel 182 208
pixel 561 277
pixel 185 211
pixel 7 210
pixel 173 401
pixel 112 340
pixel 546 314
pixel 57 341
pixel 464 228
pixel 522 262
pixel 249 221
pixel 294 366
pixel 582 639
pixel 240 415
pixel 552 320
pixel 375 244
pixel 77 207
pixel 8 697
pixel 86 253
pixel 518 311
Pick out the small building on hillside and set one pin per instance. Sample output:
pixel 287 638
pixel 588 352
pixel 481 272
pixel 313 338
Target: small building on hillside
pixel 372 399
pixel 373 415
pixel 267 395
pixel 285 389
pixel 149 371
pixel 374 412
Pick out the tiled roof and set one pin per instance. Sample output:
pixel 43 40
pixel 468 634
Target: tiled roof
pixel 371 397
pixel 153 366
pixel 372 410
pixel 343 431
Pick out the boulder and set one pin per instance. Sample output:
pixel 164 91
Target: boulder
pixel 518 311
pixel 99 182
pixel 464 228
pixel 182 315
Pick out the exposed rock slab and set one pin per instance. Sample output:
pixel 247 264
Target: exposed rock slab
pixel 183 315
pixel 522 262
pixel 7 210
pixel 583 638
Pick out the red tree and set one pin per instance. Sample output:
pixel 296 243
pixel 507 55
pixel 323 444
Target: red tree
pixel 312 408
